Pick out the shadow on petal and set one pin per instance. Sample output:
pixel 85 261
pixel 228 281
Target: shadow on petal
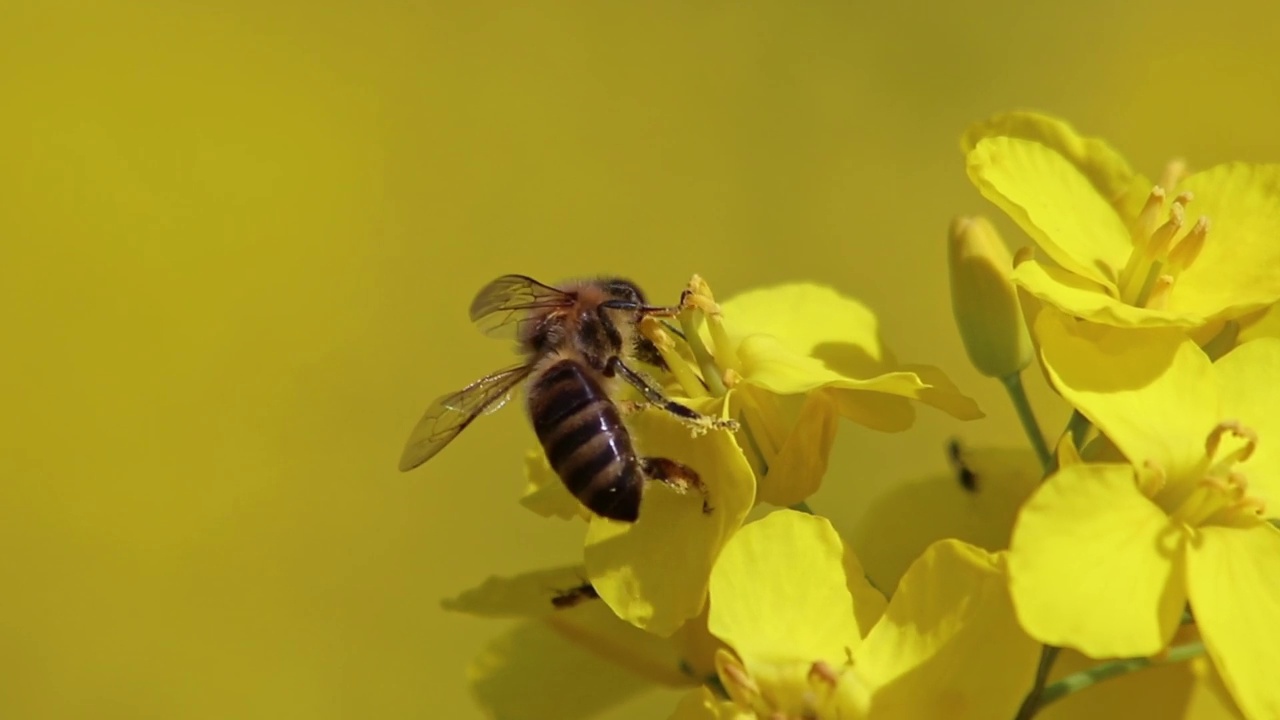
pixel 531 673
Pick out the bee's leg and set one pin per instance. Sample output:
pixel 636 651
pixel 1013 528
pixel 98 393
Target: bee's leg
pixel 655 396
pixel 677 475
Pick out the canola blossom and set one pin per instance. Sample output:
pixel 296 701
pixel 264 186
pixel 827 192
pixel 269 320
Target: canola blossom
pixel 787 362
pixel 1122 565
pixel 1182 251
pixel 1185 520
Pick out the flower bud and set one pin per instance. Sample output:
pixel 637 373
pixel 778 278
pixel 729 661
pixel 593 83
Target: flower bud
pixel 985 300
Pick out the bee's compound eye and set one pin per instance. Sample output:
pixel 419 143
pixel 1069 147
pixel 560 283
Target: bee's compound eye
pixel 625 290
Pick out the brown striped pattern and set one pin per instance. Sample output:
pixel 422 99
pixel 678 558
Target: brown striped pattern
pixel 584 438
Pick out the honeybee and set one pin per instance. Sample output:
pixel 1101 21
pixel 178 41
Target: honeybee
pixel 577 340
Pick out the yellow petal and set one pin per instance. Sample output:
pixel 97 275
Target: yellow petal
pixel 910 516
pixel 701 704
pixel 633 566
pixel 589 623
pixel 795 338
pixel 593 626
pixel 939 392
pixel 697 646
pixel 1260 324
pixel 811 320
pixel 1236 271
pixel 770 365
pixel 796 471
pixel 1105 168
pixel 1232 578
pixel 527 595
pixel 947 627
pixel 1076 296
pixel 1247 380
pixel 1094 565
pixel 531 673
pixel 779 593
pixel 1151 391
pixel 868 602
pixel 1054 203
pixel 545 494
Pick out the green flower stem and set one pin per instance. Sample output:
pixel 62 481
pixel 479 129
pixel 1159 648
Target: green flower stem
pixel 1116 668
pixel 1223 342
pixel 1034 700
pixel 1018 394
pixel 1078 425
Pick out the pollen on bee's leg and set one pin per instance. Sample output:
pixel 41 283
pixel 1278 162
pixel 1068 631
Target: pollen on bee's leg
pixel 629 407
pixel 678 476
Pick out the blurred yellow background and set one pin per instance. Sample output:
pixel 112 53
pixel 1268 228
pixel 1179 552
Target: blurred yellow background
pixel 237 242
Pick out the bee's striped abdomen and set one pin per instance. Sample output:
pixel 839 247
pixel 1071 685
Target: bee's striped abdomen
pixel 584 438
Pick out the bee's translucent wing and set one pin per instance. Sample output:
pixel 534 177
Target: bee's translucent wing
pixel 451 414
pixel 504 305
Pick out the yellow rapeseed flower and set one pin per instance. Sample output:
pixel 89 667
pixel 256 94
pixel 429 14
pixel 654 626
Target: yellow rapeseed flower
pixel 1105 557
pixel 810 638
pixel 1128 252
pixel 798 356
pixel 787 362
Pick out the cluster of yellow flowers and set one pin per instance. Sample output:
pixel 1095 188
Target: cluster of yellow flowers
pixel 1143 538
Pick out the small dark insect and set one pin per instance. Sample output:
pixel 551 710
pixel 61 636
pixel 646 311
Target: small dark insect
pixel 965 474
pixel 574 595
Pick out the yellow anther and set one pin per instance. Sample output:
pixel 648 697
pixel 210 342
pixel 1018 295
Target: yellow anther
pixel 1236 430
pixel 1238 482
pixel 731 378
pixel 1149 217
pixel 1251 505
pixel 1162 238
pixel 698 295
pixel 1158 298
pixel 1174 172
pixel 1151 479
pixel 1189 247
pixel 735 674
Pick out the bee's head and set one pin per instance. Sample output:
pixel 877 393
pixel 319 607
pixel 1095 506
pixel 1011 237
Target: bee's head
pixel 623 290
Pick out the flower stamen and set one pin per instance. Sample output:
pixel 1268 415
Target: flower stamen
pixel 653 330
pixel 1151 479
pixel 1237 430
pixel 1159 251
pixel 1149 216
pixel 1158 297
pixel 1189 247
pixel 1222 496
pixel 1174 172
